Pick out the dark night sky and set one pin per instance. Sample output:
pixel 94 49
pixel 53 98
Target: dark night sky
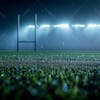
pixel 49 10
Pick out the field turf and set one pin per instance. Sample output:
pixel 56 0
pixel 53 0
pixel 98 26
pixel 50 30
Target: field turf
pixel 50 75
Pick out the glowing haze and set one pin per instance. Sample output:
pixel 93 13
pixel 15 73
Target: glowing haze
pixel 62 24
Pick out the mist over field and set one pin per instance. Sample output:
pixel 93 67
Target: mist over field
pixel 51 39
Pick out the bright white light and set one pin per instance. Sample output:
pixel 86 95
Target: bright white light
pixel 93 25
pixel 31 26
pixel 45 26
pixel 79 25
pixel 61 26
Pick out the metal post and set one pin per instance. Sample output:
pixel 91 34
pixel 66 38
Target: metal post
pixel 18 31
pixel 35 41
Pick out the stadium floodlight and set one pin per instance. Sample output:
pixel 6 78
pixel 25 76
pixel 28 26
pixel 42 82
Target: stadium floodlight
pixel 31 26
pixel 93 25
pixel 61 26
pixel 78 25
pixel 45 26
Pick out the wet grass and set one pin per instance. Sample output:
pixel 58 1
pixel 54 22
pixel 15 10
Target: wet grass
pixel 50 75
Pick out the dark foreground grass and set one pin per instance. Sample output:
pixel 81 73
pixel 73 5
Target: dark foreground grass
pixel 50 75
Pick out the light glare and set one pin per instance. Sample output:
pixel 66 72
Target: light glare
pixel 78 25
pixel 31 26
pixel 61 26
pixel 45 26
pixel 93 25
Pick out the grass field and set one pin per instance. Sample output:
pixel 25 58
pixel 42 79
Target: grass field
pixel 61 75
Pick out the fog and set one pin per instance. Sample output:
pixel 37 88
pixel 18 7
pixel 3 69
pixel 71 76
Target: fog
pixel 52 39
